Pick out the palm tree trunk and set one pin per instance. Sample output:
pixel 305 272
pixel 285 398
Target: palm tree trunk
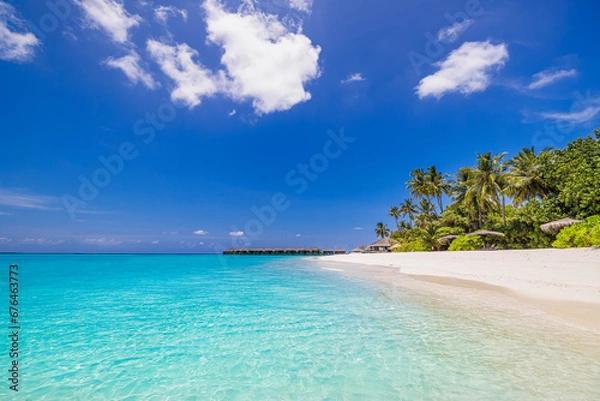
pixel 480 217
pixel 441 205
pixel 503 210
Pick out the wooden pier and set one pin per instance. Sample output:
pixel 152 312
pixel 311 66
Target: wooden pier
pixel 282 251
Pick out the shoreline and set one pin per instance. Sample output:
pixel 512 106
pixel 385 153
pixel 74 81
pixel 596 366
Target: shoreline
pixel 563 284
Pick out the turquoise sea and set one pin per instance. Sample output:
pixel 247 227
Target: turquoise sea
pixel 166 327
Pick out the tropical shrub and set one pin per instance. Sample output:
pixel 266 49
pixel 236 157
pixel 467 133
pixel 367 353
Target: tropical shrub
pixel 464 243
pixel 580 235
pixel 412 246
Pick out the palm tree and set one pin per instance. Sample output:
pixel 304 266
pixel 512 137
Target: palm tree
pixel 525 181
pixel 382 230
pixel 427 213
pixel 437 185
pixel 429 237
pixel 485 183
pixel 418 185
pixel 395 213
pixel 408 208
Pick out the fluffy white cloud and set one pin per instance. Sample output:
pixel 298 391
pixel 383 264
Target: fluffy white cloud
pixel 110 16
pixel 466 70
pixel 301 5
pixel 357 77
pixel 452 33
pixel 548 77
pixel 14 46
pixel 192 80
pixel 162 13
pixel 130 65
pixel 236 233
pixel 264 61
pixel 4 240
pixel 200 232
pixel 42 241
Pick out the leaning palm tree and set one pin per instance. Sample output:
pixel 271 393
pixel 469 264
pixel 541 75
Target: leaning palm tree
pixel 409 209
pixel 437 185
pixel 382 230
pixel 418 185
pixel 485 183
pixel 395 213
pixel 525 181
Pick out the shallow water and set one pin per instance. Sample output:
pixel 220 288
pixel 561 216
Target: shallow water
pixel 113 327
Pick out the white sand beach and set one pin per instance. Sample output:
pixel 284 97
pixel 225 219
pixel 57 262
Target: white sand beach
pixel 562 283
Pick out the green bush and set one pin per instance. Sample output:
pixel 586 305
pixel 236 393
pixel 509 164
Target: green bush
pixel 580 235
pixel 412 246
pixel 464 243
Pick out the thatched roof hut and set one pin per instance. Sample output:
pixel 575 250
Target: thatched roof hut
pixel 446 239
pixel 340 251
pixel 359 249
pixel 383 245
pixel 485 233
pixel 556 226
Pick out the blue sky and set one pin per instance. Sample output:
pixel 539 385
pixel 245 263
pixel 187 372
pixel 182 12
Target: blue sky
pixel 194 126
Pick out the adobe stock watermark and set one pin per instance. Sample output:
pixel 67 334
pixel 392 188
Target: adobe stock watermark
pixel 554 133
pixel 111 165
pixel 434 46
pixel 49 22
pixel 298 181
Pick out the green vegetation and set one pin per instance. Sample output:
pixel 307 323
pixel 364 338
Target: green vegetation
pixel 580 235
pixel 464 243
pixel 513 196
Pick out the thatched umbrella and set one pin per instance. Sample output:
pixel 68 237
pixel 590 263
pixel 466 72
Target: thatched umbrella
pixel 555 226
pixel 447 238
pixel 485 234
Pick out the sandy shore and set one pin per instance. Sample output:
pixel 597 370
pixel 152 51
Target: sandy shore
pixel 563 283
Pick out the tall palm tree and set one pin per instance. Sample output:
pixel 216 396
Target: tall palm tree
pixel 395 213
pixel 409 209
pixel 418 185
pixel 525 181
pixel 485 183
pixel 427 213
pixel 382 230
pixel 437 185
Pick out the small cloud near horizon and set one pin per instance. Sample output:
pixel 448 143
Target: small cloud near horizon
pixel 200 232
pixel 236 233
pixel 358 228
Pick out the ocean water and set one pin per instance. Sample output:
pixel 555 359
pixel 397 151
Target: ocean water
pixel 164 327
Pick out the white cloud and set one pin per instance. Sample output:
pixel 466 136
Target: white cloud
pixel 356 77
pixel 130 65
pixel 577 117
pixel 200 232
pixel 452 33
pixel 14 46
pixel 4 240
pixel 162 13
pixel 466 70
pixel 236 233
pixel 358 228
pixel 192 80
pixel 264 60
pixel 155 242
pixel 301 5
pixel 42 241
pixel 110 16
pixel 548 77
pixel 22 199
pixel 102 241
pixel 232 113
pixel 298 235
